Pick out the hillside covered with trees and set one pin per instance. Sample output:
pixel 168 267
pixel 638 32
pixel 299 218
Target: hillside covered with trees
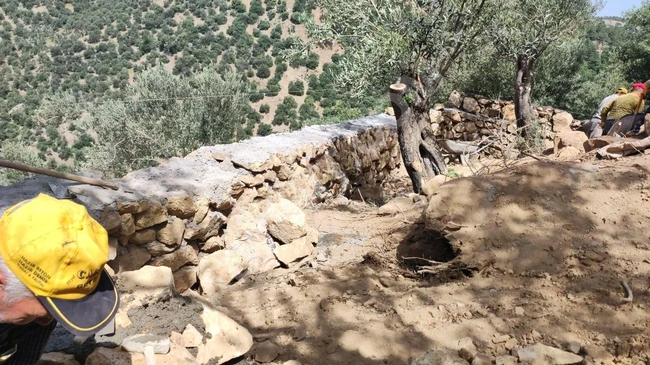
pixel 112 86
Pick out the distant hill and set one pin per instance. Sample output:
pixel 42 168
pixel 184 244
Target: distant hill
pixel 91 50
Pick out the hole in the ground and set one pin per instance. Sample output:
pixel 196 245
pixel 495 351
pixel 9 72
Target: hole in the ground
pixel 423 247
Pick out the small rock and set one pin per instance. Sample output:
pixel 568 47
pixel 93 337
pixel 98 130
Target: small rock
pixel 220 156
pixel 156 214
pixel 506 360
pixel 143 236
pixel 127 229
pixel 332 348
pixel 597 353
pixel 185 278
pixel 213 244
pixel 326 304
pixel 108 356
pixel 291 362
pixel 177 259
pixel 192 337
pixel 137 343
pixel 500 339
pixel 519 311
pixel 133 259
pixel 467 349
pixel 294 251
pixel 209 227
pixel 172 233
pixel 439 357
pixel 482 359
pixel 574 347
pixel 132 207
pixel 57 358
pixel 396 205
pixel 535 335
pixel 266 351
pixel 181 206
pixel 511 344
pixel 540 353
pixel 202 206
pixel 157 248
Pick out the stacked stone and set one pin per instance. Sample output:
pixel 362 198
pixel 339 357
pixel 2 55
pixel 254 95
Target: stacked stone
pixel 473 118
pixel 258 225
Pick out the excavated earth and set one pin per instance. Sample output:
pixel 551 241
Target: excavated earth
pixel 535 251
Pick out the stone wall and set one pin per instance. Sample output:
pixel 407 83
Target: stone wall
pixel 230 210
pixel 475 118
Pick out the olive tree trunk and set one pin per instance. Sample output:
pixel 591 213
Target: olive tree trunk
pixel 523 87
pixel 417 144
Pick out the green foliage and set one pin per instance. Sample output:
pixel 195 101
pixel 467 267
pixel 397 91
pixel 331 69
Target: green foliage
pixel 265 108
pixel 297 88
pixel 286 112
pixel 264 130
pixel 16 151
pixel 135 135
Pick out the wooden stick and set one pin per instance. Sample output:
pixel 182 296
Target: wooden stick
pixel 57 174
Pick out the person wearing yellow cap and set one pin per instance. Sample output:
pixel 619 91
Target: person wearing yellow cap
pixel 631 105
pixel 52 256
pixel 592 127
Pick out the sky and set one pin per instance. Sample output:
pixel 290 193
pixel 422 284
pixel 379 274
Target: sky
pixel 618 7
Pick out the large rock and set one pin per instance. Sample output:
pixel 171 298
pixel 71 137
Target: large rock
pixel 181 206
pixel 562 122
pixel 213 244
pixel 177 259
pixel 600 142
pixel 575 139
pixel 227 339
pixel 508 112
pixel 132 207
pixel 143 236
pixel 439 357
pixel 455 99
pixel 185 278
pixel 471 105
pixel 127 228
pixel 172 233
pixel 209 227
pixel 568 154
pixel 246 234
pixel 156 214
pixel 467 349
pixel 157 248
pixel 294 251
pixel 431 186
pixel 111 220
pixel 202 206
pixel 219 269
pixel 266 352
pixel 108 356
pixel 539 354
pixel 285 221
pixel 149 280
pixel 133 259
pixel 396 205
pixel 57 358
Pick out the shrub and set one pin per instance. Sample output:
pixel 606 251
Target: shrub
pixel 265 108
pixel 264 130
pixel 263 72
pixel 296 88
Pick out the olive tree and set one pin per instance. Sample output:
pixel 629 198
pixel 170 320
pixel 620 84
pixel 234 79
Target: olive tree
pixel 407 47
pixel 524 29
pixel 166 116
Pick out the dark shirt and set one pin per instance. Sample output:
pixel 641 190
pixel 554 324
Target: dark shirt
pixel 29 341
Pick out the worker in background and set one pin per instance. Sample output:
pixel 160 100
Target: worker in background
pixel 629 104
pixel 592 127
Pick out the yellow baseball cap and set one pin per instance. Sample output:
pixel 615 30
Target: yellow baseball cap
pixel 621 90
pixel 58 251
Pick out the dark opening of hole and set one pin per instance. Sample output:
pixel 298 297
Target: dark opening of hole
pixel 422 246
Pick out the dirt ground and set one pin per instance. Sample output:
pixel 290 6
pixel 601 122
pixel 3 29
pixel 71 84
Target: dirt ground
pixel 553 275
